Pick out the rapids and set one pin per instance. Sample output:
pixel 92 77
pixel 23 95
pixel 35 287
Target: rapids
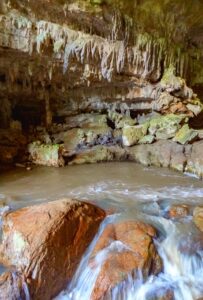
pixel 131 191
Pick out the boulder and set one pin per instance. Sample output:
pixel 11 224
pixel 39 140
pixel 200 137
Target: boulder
pixel 185 135
pixel 178 157
pixel 195 159
pixel 198 217
pixel 132 134
pixel 78 138
pixel 46 155
pixel 86 120
pixel 120 120
pixel 165 127
pixel 147 139
pixel 147 117
pixel 164 101
pixel 98 154
pixel 93 155
pixel 178 211
pixel 178 107
pixel 129 246
pixel 195 108
pixel 161 153
pixel 46 242
pixel 175 85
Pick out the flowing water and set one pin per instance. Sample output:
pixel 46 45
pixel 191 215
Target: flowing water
pixel 132 192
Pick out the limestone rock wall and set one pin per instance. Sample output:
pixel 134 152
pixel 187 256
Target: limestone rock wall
pixel 74 54
pixel 116 59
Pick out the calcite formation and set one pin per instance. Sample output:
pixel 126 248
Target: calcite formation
pixel 84 80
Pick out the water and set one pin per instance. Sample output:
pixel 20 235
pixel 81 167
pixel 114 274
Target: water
pixel 131 192
pixel 182 274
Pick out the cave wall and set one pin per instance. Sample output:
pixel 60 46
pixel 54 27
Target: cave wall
pixel 74 56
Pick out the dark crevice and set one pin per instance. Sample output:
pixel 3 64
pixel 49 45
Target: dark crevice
pixel 28 115
pixel 197 122
pixel 135 113
pixel 110 123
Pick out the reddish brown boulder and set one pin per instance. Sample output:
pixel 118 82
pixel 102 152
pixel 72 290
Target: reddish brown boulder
pixel 178 211
pixel 138 252
pixel 45 243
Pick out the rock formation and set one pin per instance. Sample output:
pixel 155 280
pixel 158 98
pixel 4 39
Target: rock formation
pixel 82 81
pixel 135 250
pixel 43 245
pixel 198 217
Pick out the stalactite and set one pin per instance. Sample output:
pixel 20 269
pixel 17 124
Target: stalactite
pixel 110 56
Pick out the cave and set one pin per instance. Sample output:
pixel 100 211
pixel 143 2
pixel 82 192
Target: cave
pixel 100 94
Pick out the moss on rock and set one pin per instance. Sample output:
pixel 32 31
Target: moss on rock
pixel 120 120
pixel 47 155
pixel 185 135
pixel 132 134
pixel 147 139
pixel 165 127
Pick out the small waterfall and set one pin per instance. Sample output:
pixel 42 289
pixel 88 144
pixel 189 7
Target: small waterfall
pixel 181 279
pixel 85 277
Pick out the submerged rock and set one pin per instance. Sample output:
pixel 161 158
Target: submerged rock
pixel 178 211
pixel 45 243
pixel 129 246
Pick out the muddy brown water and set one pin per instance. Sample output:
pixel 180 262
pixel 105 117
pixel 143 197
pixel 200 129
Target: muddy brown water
pixel 134 192
pixel 108 184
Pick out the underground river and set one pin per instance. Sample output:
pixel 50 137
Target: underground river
pixel 129 191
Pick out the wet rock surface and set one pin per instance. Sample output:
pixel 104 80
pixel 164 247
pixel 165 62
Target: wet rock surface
pixel 178 211
pixel 194 162
pixel 198 217
pixel 130 248
pixel 44 244
pixel 12 286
